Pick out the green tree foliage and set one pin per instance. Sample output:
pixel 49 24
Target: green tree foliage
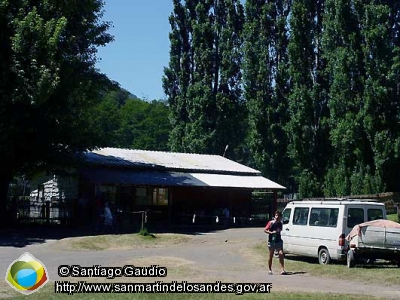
pixel 360 47
pixel 321 87
pixel 107 119
pixel 203 79
pixel 342 45
pixel 144 125
pixel 266 84
pixel 380 29
pixel 177 76
pixel 49 82
pixel 307 129
pixel 126 121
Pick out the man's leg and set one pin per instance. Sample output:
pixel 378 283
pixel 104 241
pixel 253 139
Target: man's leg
pixel 282 260
pixel 271 255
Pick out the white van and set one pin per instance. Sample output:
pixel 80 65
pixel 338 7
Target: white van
pixel 318 228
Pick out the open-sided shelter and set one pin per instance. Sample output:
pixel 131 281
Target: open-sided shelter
pixel 171 187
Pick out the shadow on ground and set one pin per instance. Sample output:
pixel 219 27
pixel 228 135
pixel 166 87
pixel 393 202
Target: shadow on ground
pixel 294 273
pixel 22 236
pixel 377 264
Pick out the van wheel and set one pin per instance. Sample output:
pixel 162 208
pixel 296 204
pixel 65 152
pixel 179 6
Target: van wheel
pixel 350 259
pixel 323 256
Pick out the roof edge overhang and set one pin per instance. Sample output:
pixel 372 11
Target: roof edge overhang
pixel 158 168
pixel 170 179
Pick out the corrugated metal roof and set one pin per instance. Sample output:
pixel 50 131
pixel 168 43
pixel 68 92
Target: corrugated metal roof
pixel 254 182
pixel 114 176
pixel 165 160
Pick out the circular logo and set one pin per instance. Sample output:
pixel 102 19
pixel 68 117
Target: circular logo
pixel 26 274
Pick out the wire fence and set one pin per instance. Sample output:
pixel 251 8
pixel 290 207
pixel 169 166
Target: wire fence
pixel 233 221
pixel 23 211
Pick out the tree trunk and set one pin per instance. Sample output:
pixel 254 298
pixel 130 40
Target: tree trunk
pixel 5 179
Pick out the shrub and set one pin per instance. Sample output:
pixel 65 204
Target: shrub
pixel 144 232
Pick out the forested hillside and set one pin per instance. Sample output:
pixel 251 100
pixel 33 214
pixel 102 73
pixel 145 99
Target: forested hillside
pixel 126 121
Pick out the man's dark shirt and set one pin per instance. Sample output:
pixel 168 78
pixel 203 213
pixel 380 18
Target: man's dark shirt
pixel 274 226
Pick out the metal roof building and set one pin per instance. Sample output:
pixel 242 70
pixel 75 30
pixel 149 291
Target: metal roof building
pixel 126 166
pixel 170 188
pixel 172 185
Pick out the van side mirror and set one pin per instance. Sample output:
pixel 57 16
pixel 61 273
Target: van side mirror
pixel 285 221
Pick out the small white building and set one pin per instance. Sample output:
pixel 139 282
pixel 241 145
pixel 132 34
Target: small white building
pixel 53 197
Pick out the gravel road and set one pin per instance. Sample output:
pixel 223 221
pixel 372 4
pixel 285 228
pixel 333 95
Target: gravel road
pixel 217 256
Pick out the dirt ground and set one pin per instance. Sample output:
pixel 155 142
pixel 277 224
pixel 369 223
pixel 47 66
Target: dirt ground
pixel 224 256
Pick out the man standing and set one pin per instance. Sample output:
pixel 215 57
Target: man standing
pixel 108 217
pixel 274 229
pixel 225 214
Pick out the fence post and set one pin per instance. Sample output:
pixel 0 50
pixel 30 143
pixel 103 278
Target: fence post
pixel 47 212
pixel 142 227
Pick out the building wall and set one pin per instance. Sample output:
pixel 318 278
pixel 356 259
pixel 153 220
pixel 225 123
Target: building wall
pixel 207 204
pixel 183 202
pixel 54 196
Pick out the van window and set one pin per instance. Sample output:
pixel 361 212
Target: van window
pixel 355 216
pixel 325 217
pixel 300 216
pixel 286 215
pixel 374 214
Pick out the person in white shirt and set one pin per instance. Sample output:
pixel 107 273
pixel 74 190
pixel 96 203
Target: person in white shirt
pixel 226 214
pixel 108 217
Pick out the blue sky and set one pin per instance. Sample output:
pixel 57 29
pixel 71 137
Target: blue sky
pixel 137 57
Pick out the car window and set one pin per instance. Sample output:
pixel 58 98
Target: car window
pixel 374 214
pixel 286 215
pixel 324 217
pixel 300 216
pixel 355 216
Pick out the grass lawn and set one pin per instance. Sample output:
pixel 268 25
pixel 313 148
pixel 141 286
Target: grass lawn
pixel 378 273
pixel 121 241
pixel 47 292
pixel 393 217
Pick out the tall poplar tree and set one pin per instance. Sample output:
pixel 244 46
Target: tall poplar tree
pixel 266 84
pixel 307 128
pixel 380 30
pixel 342 49
pixel 203 79
pixel 178 75
pixel 357 46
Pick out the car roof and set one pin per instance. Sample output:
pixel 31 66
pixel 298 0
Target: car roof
pixel 337 202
